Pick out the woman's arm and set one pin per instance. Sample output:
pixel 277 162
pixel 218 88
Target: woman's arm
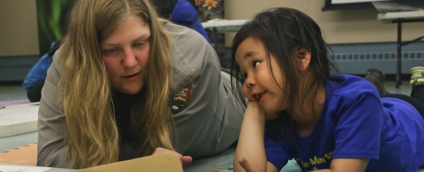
pixel 51 122
pixel 210 120
pixel 250 154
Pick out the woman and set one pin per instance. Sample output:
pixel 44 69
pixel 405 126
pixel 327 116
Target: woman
pixel 107 93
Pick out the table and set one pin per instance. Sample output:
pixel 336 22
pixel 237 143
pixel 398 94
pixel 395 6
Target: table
pixel 18 119
pixel 399 18
pixel 224 26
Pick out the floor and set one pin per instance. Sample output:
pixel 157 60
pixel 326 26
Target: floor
pixel 10 93
pixel 223 161
pixel 405 88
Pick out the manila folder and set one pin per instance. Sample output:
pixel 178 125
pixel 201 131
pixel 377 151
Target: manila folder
pixel 154 163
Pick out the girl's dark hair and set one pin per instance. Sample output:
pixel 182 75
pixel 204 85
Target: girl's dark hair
pixel 282 31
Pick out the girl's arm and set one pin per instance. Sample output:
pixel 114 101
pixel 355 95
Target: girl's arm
pixel 347 165
pixel 250 154
pixel 357 133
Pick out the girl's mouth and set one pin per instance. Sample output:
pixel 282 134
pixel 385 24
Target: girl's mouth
pixel 259 97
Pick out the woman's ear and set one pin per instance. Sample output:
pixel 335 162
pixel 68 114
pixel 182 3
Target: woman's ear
pixel 303 56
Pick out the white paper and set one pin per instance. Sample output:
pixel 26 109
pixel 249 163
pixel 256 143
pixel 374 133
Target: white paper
pixel 354 1
pixel 4 168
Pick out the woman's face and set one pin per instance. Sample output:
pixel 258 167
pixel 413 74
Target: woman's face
pixel 259 84
pixel 126 54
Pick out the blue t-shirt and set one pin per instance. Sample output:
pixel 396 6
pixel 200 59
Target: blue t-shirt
pixel 354 123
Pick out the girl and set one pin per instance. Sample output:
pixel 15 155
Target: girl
pixel 298 110
pixel 109 91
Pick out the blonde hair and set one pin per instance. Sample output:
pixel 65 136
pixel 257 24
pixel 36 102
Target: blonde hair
pixel 85 91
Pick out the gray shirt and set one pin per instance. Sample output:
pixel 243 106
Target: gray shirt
pixel 208 124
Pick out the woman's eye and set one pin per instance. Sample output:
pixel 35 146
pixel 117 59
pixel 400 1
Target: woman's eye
pixel 255 63
pixel 108 51
pixel 138 44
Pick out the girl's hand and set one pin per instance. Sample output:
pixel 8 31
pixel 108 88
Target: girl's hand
pixel 184 159
pixel 243 163
pixel 246 166
pixel 256 109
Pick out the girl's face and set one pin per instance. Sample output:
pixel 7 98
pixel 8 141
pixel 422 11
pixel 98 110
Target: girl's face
pixel 259 84
pixel 126 54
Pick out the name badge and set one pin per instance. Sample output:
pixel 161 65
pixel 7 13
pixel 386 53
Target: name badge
pixel 180 99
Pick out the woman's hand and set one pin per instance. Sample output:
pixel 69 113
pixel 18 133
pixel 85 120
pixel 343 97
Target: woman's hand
pixel 184 159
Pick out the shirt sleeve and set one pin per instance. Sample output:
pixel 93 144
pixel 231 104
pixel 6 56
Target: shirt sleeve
pixel 275 148
pixel 358 129
pixel 51 123
pixel 208 123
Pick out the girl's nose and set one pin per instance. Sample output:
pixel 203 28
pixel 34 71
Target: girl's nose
pixel 250 82
pixel 250 85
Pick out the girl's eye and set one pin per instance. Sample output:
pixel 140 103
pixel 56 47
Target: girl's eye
pixel 256 63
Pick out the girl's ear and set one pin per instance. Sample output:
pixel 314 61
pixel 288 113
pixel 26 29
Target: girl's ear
pixel 303 56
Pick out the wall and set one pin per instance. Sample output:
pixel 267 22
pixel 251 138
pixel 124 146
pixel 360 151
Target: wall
pixel 19 47
pixel 19 33
pixel 339 27
pixel 18 28
pixel 359 41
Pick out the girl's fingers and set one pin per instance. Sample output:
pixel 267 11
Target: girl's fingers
pixel 246 166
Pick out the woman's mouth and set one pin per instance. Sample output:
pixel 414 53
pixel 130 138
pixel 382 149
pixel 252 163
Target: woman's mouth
pixel 131 77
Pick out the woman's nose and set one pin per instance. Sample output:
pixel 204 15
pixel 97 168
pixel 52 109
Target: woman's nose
pixel 129 60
